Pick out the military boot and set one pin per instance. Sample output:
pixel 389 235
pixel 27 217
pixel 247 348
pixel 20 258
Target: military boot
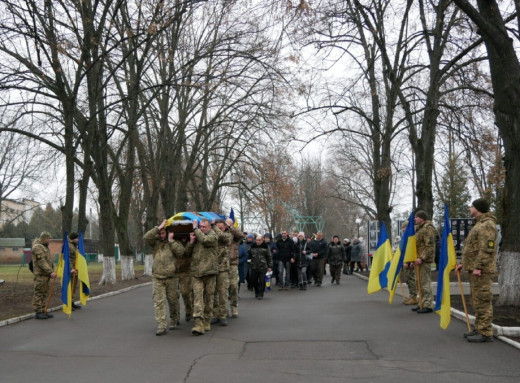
pixel 198 328
pixel 207 325
pixel 234 312
pixel 411 301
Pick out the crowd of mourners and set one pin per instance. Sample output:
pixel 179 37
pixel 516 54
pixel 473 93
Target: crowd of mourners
pixel 298 260
pixel 208 268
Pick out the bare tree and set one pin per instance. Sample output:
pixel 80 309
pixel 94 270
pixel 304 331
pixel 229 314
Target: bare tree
pixel 505 74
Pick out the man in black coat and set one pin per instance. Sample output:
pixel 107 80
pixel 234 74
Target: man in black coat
pixel 285 253
pixel 319 249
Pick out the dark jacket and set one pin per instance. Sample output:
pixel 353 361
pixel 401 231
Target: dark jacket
pixel 300 259
pixel 260 257
pixel 336 254
pixel 348 251
pixel 356 252
pixel 320 247
pixel 285 249
pixel 273 249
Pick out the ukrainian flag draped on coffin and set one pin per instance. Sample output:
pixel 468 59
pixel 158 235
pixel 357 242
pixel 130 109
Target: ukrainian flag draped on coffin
pixel 81 267
pixel 380 262
pixel 406 252
pixel 447 262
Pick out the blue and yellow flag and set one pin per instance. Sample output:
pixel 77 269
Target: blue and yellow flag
pixel 406 252
pixel 447 262
pixel 232 216
pixel 81 267
pixel 380 262
pixel 63 271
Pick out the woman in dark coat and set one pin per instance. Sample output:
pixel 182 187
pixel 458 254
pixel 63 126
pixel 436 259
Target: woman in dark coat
pixel 335 258
pixel 260 263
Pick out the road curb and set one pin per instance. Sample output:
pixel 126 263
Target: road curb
pixel 31 316
pixel 499 332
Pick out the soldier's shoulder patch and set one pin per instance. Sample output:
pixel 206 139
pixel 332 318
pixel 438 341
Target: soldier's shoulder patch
pixel 491 244
pixel 38 257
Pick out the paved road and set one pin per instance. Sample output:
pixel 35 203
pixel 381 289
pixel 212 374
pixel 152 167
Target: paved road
pixel 327 334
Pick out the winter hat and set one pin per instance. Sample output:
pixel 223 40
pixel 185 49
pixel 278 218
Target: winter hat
pixel 481 204
pixel 73 235
pixel 250 236
pixel 421 214
pixel 45 235
pixel 268 235
pixel 346 240
pixel 301 233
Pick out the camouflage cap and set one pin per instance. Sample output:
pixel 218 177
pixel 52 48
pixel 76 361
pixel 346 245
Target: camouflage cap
pixel 45 235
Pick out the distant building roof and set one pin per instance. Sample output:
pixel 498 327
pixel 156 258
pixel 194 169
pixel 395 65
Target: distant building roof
pixel 12 242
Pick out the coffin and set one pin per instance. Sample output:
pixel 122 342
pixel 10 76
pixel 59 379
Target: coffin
pixel 181 224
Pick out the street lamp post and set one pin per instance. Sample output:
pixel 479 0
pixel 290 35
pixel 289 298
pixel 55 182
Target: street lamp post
pixel 358 222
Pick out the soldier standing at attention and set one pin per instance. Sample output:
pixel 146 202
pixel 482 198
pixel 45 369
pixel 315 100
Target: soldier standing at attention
pixel 43 269
pixel 203 248
pixel 479 259
pixel 425 240
pixel 165 280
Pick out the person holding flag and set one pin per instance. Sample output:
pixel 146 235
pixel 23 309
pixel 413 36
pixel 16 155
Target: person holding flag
pixel 425 242
pixel 73 250
pixel 43 269
pixel 447 262
pixel 82 271
pixel 63 271
pixel 405 252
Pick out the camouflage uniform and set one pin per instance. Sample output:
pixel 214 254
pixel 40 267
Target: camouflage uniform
pixel 425 239
pixel 183 271
pixel 204 270
pixel 220 300
pixel 234 278
pixel 480 252
pixel 43 267
pixel 408 277
pixel 165 280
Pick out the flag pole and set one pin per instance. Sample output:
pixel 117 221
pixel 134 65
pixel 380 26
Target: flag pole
pixel 418 281
pixel 50 296
pixel 463 299
pixel 402 288
pixel 72 289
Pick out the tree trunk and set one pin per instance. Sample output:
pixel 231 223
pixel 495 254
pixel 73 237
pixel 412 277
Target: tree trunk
pixel 127 267
pixel 109 271
pixel 509 264
pixel 148 263
pixel 505 75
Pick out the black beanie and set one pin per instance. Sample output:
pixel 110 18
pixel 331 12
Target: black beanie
pixel 421 214
pixel 73 235
pixel 481 205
